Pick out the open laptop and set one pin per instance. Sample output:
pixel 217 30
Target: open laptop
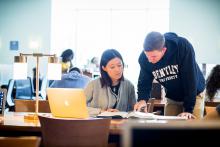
pixel 67 102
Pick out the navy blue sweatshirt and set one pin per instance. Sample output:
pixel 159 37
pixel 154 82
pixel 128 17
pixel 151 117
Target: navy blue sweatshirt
pixel 177 71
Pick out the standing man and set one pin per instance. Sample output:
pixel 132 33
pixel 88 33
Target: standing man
pixel 170 60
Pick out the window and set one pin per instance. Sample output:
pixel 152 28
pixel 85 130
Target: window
pixel 90 28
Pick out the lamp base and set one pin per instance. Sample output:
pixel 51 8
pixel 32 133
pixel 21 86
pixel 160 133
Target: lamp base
pixel 31 116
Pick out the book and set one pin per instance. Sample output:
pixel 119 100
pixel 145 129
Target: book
pixel 120 115
pixel 136 114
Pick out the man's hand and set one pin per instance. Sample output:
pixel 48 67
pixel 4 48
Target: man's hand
pixel 187 115
pixel 141 106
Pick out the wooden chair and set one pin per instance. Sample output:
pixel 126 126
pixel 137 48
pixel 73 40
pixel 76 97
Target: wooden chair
pixel 29 106
pixel 156 91
pixel 209 109
pixel 211 114
pixel 86 73
pixel 212 103
pixel 23 89
pixel 43 84
pixel 30 141
pixel 57 132
pixel 210 106
pixel 150 105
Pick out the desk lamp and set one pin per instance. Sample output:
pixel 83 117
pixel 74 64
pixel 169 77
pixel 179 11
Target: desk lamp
pixel 20 72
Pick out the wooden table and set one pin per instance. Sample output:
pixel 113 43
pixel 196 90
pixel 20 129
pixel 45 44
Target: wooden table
pixel 14 122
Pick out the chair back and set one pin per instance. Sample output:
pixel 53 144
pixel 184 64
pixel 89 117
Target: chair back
pixel 210 106
pixel 156 90
pixel 29 106
pixel 43 88
pixel 10 98
pixel 59 132
pixel 211 114
pixel 209 109
pixel 30 141
pixel 150 105
pixel 23 89
pixel 43 84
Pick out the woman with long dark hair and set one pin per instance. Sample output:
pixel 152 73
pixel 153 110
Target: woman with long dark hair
pixel 110 92
pixel 213 82
pixel 212 89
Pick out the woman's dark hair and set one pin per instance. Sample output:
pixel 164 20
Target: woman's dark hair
pixel 67 55
pixel 213 82
pixel 108 55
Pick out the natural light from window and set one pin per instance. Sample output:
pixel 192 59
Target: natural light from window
pixel 91 26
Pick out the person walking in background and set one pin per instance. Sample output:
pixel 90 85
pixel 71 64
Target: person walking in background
pixel 73 79
pixel 67 57
pixel 212 91
pixel 110 92
pixel 170 60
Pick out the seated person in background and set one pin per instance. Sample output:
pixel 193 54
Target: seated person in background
pixel 94 65
pixel 212 90
pixel 73 79
pixel 110 92
pixel 92 68
pixel 67 57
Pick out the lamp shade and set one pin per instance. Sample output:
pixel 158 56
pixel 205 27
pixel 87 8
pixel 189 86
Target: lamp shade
pixel 54 71
pixel 20 59
pixel 20 71
pixel 20 67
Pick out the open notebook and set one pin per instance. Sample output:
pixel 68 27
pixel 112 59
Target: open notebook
pixel 126 115
pixel 67 102
pixel 135 114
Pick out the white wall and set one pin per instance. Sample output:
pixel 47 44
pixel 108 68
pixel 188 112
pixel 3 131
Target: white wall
pixel 198 21
pixel 24 21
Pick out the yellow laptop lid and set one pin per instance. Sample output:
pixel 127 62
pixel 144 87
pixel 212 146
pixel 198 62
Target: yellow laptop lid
pixel 67 102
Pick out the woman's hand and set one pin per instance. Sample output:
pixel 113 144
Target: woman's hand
pixel 112 110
